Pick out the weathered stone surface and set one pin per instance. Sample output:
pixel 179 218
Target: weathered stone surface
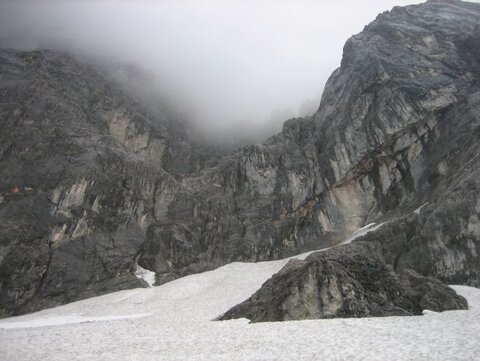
pixel 79 166
pixel 349 281
pixel 92 183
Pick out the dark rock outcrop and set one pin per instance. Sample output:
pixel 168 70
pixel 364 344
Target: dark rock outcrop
pixel 92 184
pixel 348 281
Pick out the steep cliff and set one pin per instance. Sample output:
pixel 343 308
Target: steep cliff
pixel 398 128
pixel 80 165
pixel 92 184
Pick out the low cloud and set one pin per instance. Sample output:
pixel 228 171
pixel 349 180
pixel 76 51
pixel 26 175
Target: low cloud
pixel 234 68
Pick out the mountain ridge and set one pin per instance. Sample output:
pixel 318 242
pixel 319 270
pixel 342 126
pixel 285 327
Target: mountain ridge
pixel 110 186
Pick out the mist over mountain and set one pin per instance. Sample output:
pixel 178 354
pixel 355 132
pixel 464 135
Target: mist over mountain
pixel 366 206
pixel 236 69
pixel 96 184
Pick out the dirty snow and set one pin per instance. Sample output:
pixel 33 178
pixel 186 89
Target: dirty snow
pixel 173 322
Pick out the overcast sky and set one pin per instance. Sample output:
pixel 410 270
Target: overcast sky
pixel 226 62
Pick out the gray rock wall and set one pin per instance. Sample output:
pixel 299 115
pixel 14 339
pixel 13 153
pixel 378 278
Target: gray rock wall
pixel 93 184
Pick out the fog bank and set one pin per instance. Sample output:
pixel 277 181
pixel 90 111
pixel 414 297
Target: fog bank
pixel 235 68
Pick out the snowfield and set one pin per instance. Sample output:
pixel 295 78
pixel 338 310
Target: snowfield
pixel 173 322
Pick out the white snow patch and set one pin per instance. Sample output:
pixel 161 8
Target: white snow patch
pixel 419 209
pixel 362 231
pixel 146 275
pixel 354 235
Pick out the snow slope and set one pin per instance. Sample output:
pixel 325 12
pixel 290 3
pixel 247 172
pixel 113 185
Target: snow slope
pixel 173 322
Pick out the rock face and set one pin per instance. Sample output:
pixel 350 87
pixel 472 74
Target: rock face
pixel 82 167
pixel 93 185
pixel 398 126
pixel 349 281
